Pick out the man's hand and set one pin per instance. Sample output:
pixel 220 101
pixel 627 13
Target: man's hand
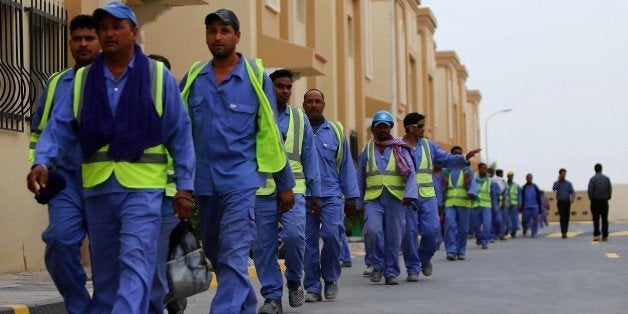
pixel 315 205
pixel 471 153
pixel 37 179
pixel 406 201
pixel 183 204
pixel 285 201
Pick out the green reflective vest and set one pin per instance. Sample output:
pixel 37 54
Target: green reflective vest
pixel 271 156
pixel 375 181
pixel 513 192
pixel 340 131
pixel 484 193
pixel 293 146
pixel 147 172
pixel 49 98
pixel 424 175
pixel 171 187
pixel 457 194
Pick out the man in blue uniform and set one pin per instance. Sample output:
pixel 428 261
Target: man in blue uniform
pixel 485 206
pixel 237 144
pixel 387 180
pixel 303 158
pixel 66 226
pixel 513 206
pixel 123 165
pixel 531 204
pixel 424 220
pixel 339 190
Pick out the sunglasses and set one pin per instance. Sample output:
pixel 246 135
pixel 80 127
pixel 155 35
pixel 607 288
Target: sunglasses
pixel 418 126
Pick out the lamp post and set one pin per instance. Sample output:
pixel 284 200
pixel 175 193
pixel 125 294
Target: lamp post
pixel 488 162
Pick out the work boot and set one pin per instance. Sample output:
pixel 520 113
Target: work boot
pixel 345 264
pixel 313 297
pixel 605 239
pixel 461 257
pixel 411 278
pixel 368 270
pixel 596 238
pixel 295 294
pixel 331 290
pixel 271 307
pixel 513 235
pixel 376 275
pixel 392 281
pixel 451 256
pixel 427 269
pixel 502 238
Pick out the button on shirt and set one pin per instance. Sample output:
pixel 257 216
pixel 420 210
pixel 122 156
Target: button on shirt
pixel 412 188
pixel 332 182
pixel 564 190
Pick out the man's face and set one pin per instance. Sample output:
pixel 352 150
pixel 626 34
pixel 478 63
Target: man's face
pixel 416 129
pixel 483 170
pixel 116 35
pixel 381 131
pixel 529 178
pixel 221 39
pixel 84 45
pixel 313 105
pixel 283 89
pixel 561 175
pixel 510 176
pixel 457 151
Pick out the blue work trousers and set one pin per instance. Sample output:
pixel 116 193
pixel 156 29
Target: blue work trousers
pixel 266 246
pixel 63 237
pixel 496 222
pixel 456 229
pixel 384 229
pixel 530 219
pixel 422 220
pixel 480 223
pixel 228 231
pixel 513 213
pixel 123 231
pixel 345 252
pixel 160 280
pixel 324 263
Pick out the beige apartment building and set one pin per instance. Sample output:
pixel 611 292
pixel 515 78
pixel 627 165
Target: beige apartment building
pixel 365 55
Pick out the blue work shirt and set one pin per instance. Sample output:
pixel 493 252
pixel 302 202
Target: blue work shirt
pixel 71 162
pixel 531 196
pixel 438 188
pixel 59 136
pixel 412 188
pixel 309 154
pixel 224 127
pixel 564 190
pixel 334 183
pixel 473 186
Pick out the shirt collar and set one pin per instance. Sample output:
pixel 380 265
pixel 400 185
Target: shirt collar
pixel 239 70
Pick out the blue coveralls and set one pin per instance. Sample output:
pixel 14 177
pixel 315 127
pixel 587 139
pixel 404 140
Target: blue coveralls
pixel 267 218
pixel 345 251
pixel 438 188
pixel 496 228
pixel 324 263
pixel 66 218
pixel 513 211
pixel 123 223
pixel 385 217
pixel 424 218
pixel 480 219
pixel 224 125
pixel 530 215
pixel 457 219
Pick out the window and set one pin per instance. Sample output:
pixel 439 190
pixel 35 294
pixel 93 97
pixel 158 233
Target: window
pixel 273 5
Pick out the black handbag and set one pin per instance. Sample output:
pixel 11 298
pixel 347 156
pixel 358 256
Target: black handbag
pixel 188 270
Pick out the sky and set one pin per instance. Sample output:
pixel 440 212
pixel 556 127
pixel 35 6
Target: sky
pixel 562 66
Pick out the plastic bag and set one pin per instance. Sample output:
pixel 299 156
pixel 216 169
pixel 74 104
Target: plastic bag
pixel 188 270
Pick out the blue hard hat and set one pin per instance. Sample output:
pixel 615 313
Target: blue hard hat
pixel 383 116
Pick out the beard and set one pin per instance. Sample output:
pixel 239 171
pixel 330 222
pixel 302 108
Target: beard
pixel 222 53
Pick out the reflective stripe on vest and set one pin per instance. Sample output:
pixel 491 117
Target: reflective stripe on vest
pixel 339 130
pixel 513 192
pixel 149 171
pixel 45 116
pixel 294 146
pixel 171 188
pixel 424 175
pixel 375 181
pixel 484 193
pixel 457 194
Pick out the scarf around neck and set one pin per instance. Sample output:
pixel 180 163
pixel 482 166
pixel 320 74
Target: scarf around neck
pixel 396 145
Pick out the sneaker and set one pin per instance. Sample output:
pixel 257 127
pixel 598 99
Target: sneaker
pixel 513 235
pixel 331 290
pixel 451 256
pixel 596 238
pixel 271 307
pixel 461 257
pixel 484 246
pixel 367 271
pixel 502 238
pixel 564 236
pixel 411 278
pixel 605 239
pixel 392 281
pixel 345 264
pixel 376 275
pixel 296 295
pixel 427 269
pixel 313 297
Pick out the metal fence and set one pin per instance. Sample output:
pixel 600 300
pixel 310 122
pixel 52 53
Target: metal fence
pixel 45 48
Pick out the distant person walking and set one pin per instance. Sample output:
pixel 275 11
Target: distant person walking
pixel 565 195
pixel 531 205
pixel 600 190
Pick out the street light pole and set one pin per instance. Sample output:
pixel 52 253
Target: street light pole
pixel 488 161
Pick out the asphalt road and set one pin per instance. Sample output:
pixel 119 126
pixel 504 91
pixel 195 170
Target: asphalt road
pixel 543 275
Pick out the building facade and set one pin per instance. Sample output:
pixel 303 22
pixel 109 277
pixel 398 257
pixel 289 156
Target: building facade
pixel 365 55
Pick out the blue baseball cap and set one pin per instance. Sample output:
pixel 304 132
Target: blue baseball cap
pixel 117 10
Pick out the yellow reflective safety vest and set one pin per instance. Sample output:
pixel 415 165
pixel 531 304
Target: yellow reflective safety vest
pixel 340 131
pixel 147 172
pixel 294 147
pixel 513 192
pixel 424 175
pixel 270 152
pixel 456 193
pixel 171 188
pixel 49 98
pixel 391 179
pixel 484 193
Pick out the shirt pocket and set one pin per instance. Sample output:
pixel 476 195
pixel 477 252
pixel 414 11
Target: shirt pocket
pixel 198 110
pixel 241 117
pixel 328 151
